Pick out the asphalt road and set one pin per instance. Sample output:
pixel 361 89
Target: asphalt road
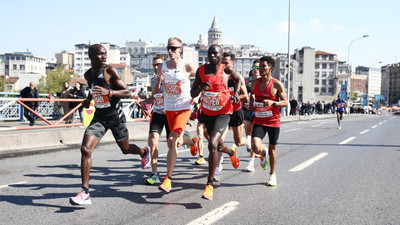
pixel 325 176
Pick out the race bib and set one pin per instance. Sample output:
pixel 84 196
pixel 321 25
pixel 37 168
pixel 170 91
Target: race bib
pixel 101 101
pixel 212 100
pixel 261 111
pixel 159 101
pixel 173 88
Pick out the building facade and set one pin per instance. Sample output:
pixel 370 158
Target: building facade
pixel 65 58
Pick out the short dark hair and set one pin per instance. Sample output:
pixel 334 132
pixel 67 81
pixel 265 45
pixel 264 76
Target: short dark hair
pixel 269 60
pixel 92 47
pixel 229 54
pixel 256 61
pixel 159 57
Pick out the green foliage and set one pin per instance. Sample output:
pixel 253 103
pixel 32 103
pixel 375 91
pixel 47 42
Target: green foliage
pixel 2 83
pixel 53 82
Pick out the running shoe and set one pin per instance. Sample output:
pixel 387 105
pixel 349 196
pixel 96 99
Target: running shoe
pixel 166 185
pixel 339 127
pixel 264 161
pixel 217 177
pixel 272 180
pixel 208 192
pixel 187 134
pixel 220 163
pixel 145 163
pixel 250 167
pixel 248 148
pixel 80 199
pixel 200 161
pixel 193 148
pixel 152 180
pixel 234 160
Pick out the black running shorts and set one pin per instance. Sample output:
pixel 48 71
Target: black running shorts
pixel 260 132
pixel 98 128
pixel 217 123
pixel 236 118
pixel 157 122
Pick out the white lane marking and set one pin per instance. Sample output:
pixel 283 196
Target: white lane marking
pixel 292 129
pixel 375 126
pixel 8 185
pixel 216 214
pixel 308 162
pixel 380 123
pixel 347 140
pixel 317 125
pixel 385 121
pixel 165 154
pixel 365 131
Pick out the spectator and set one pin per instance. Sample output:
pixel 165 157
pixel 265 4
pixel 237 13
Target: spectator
pixel 30 92
pixel 77 93
pixel 142 96
pixel 65 93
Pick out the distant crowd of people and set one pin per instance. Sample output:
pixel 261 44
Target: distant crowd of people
pixel 308 108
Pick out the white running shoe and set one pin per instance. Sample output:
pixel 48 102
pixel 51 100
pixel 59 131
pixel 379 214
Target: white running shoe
pixel 250 167
pixel 272 180
pixel 216 175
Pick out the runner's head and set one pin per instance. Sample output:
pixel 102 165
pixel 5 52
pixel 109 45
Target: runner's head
pixel 214 54
pixel 174 47
pixel 157 61
pixel 97 55
pixel 255 71
pixel 267 64
pixel 228 59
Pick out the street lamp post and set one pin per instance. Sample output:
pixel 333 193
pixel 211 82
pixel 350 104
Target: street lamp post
pixel 348 56
pixel 288 56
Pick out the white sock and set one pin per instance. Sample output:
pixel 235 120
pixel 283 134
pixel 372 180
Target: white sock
pixel 249 141
pixel 251 160
pixel 234 146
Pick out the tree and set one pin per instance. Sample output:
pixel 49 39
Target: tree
pixel 3 83
pixel 53 82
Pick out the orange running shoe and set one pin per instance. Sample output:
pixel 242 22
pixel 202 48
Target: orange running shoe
pixel 208 192
pixel 234 160
pixel 166 185
pixel 194 148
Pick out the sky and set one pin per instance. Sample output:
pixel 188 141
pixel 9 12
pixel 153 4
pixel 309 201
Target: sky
pixel 46 27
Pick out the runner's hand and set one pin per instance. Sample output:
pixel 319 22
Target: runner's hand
pixel 100 90
pixel 236 98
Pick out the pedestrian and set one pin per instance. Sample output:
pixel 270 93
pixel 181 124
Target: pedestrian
pixel 77 93
pixel 212 81
pixel 106 89
pixel 66 93
pixel 177 102
pixel 30 92
pixel 268 95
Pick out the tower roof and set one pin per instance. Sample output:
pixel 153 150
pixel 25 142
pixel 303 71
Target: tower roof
pixel 214 24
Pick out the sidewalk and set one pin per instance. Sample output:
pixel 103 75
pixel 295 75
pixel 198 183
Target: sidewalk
pixel 24 142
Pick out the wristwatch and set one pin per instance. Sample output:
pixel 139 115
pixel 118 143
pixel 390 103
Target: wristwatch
pixel 110 94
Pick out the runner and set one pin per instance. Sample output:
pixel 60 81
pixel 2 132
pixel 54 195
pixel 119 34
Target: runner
pixel 106 88
pixel 212 81
pixel 249 115
pixel 268 94
pixel 340 105
pixel 175 73
pixel 236 120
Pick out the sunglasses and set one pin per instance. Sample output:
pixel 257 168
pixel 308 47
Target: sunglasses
pixel 172 48
pixel 256 67
pixel 155 65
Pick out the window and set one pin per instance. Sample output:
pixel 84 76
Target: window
pixel 323 82
pixel 18 58
pixel 316 89
pixel 22 67
pixel 316 65
pixel 331 65
pixel 316 81
pixel 330 90
pixel 316 74
pixel 323 90
pixel 324 73
pixel 331 73
pixel 324 66
pixel 14 67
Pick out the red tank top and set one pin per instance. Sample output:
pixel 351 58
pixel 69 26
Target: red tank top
pixel 266 116
pixel 231 85
pixel 216 100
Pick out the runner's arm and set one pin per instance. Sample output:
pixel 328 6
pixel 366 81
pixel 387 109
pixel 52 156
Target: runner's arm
pixel 116 79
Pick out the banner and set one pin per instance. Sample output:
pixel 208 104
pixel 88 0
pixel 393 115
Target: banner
pixel 365 100
pixel 343 91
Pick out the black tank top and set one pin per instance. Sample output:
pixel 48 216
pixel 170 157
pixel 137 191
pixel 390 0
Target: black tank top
pixel 113 113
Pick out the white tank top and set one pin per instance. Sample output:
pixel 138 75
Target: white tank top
pixel 177 88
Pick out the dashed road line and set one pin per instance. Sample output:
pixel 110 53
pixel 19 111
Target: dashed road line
pixel 347 140
pixel 375 126
pixel 308 162
pixel 216 214
pixel 364 131
pixel 380 123
pixel 292 129
pixel 8 185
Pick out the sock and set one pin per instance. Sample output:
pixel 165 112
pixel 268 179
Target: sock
pixel 265 148
pixel 232 153
pixel 251 160
pixel 249 141
pixel 234 146
pixel 154 173
pixel 201 156
pixel 85 190
pixel 210 182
